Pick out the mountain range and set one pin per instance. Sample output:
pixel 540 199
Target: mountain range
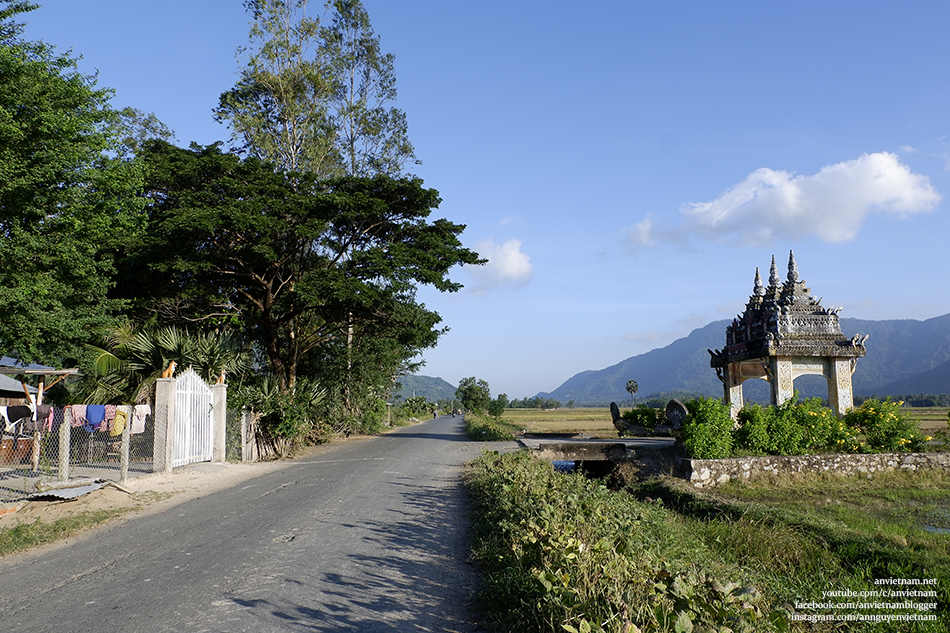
pixel 903 356
pixel 432 389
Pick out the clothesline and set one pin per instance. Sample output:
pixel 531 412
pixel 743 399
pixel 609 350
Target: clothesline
pixel 106 418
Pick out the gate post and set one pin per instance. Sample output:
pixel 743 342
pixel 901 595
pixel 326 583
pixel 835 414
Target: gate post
pixel 219 422
pixel 164 425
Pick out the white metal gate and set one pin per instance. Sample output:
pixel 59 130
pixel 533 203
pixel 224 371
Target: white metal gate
pixel 193 441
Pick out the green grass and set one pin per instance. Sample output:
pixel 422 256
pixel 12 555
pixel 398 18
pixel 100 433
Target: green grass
pixel 24 536
pixel 561 552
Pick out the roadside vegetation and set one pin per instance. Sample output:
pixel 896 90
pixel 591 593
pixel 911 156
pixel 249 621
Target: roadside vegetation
pixel 487 428
pixel 27 535
pixel 561 552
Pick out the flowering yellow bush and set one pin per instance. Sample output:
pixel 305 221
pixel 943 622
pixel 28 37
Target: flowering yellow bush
pixel 886 427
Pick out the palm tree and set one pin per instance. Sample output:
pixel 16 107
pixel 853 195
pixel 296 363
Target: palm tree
pixel 129 363
pixel 632 387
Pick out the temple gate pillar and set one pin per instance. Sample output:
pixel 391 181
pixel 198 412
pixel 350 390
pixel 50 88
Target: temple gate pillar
pixel 781 380
pixel 840 397
pixel 732 388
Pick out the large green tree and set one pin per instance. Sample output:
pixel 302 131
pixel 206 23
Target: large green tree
pixel 64 203
pixel 296 261
pixel 279 109
pixel 316 97
pixel 474 393
pixel 372 136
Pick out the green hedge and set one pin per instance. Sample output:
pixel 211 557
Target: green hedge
pixel 798 427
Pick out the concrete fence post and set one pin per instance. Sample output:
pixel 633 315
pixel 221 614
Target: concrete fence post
pixel 64 430
pixel 245 456
pixel 219 422
pixel 126 446
pixel 164 418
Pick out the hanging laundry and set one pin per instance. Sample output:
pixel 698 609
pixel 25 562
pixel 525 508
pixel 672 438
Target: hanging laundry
pixel 109 419
pixel 19 412
pixel 8 426
pixel 43 417
pixel 95 416
pixel 23 415
pixel 78 414
pixel 139 416
pixel 122 413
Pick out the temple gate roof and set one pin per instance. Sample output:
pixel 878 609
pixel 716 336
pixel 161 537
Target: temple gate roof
pixel 784 319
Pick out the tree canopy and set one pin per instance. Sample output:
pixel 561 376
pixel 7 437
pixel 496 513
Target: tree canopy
pixel 315 97
pixel 474 393
pixel 294 260
pixel 64 203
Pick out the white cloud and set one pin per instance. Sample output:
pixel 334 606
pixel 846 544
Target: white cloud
pixel 640 233
pixel 507 265
pixel 646 234
pixel 831 204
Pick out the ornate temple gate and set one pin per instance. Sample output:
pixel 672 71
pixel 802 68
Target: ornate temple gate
pixel 194 427
pixel 785 333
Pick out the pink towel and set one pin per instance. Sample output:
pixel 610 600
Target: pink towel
pixel 79 415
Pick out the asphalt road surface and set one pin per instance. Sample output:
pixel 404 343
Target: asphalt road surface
pixel 368 536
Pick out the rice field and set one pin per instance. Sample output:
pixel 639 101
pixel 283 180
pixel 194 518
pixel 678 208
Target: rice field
pixel 592 421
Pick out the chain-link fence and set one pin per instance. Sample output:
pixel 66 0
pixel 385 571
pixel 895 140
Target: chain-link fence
pixel 81 441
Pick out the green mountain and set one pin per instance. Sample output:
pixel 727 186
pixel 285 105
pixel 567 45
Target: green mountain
pixel 934 381
pixel 432 389
pixel 904 352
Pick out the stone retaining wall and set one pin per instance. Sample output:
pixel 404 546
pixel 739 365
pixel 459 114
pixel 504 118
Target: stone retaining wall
pixel 704 473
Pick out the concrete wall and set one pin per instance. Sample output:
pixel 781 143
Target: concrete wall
pixel 704 473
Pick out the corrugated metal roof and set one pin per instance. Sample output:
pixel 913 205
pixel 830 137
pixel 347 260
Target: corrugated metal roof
pixel 7 361
pixel 69 493
pixel 9 384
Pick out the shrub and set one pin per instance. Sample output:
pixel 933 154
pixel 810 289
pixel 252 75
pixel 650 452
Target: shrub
pixel 797 427
pixel 561 552
pixel 287 420
pixel 482 428
pixel 753 434
pixel 886 427
pixel 822 430
pixel 707 432
pixel 645 416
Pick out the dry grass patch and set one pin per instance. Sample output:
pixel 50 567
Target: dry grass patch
pixel 592 421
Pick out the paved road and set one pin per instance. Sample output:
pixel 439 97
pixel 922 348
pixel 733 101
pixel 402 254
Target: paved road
pixel 368 536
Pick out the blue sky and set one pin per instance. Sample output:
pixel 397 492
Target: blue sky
pixel 625 165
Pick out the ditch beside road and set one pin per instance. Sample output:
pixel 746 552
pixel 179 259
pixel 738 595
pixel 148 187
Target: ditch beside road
pixel 368 534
